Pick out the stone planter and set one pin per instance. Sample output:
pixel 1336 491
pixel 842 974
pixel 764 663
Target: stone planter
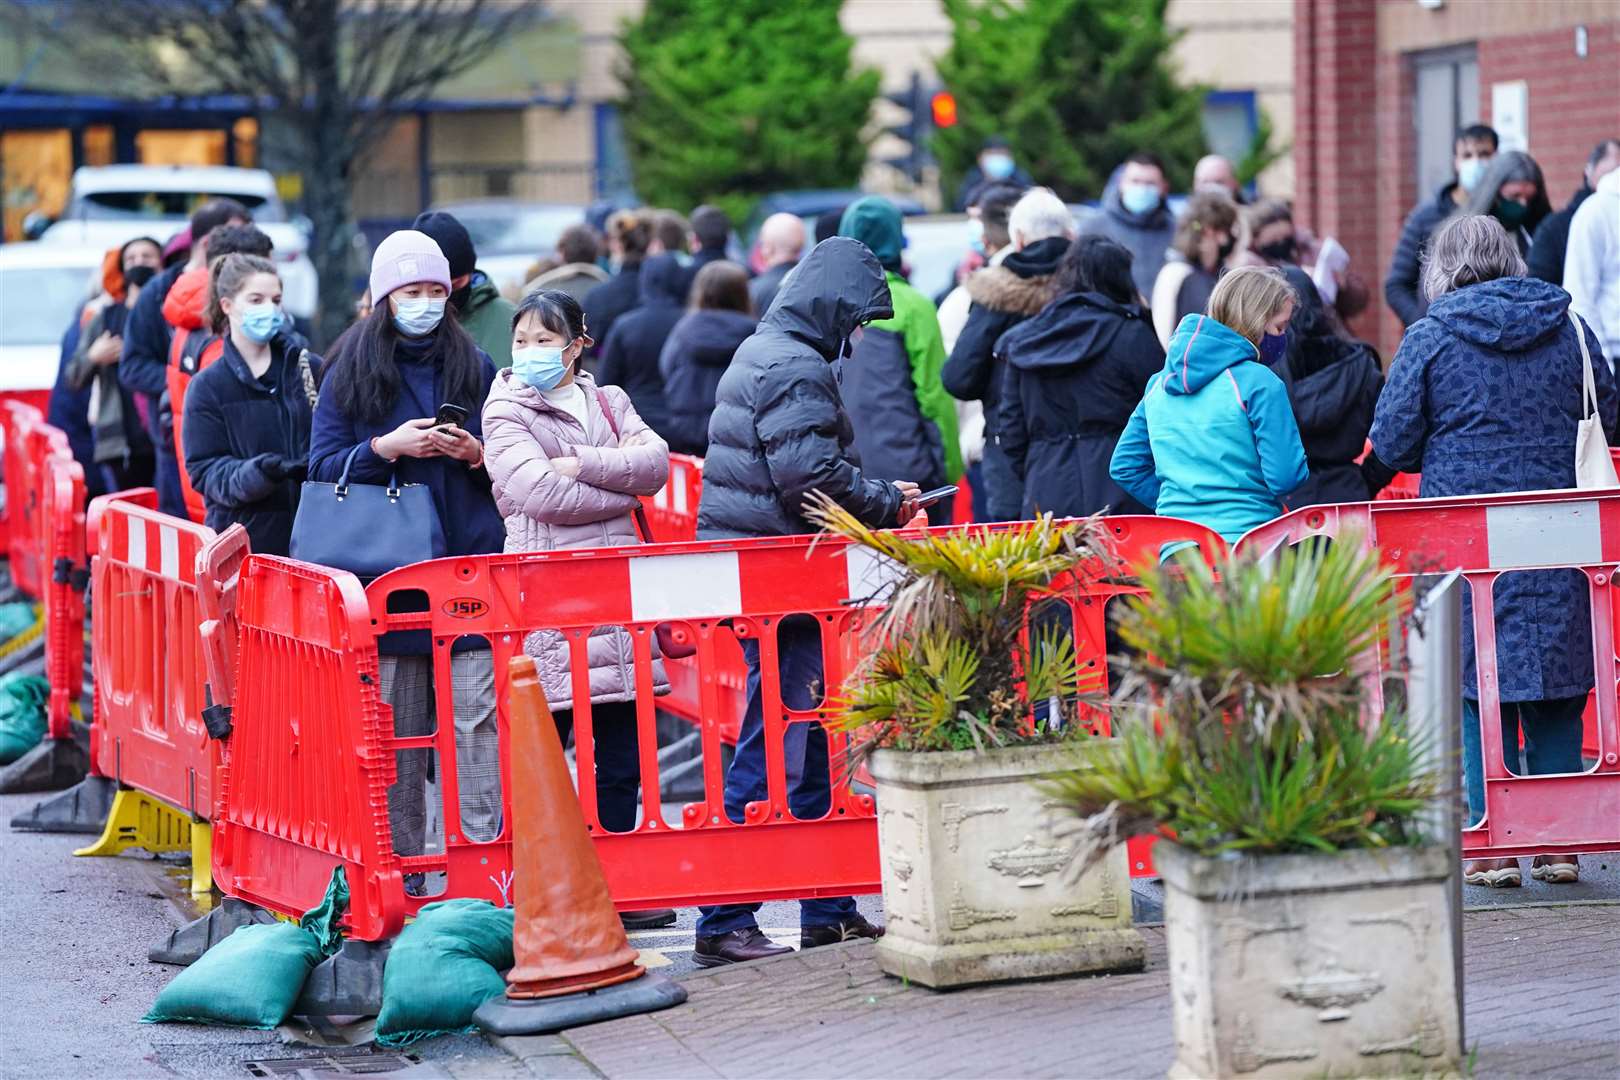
pixel 1311 965
pixel 972 883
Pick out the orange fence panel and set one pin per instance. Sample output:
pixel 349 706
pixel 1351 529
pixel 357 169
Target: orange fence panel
pixel 25 448
pixel 146 651
pixel 307 715
pixel 672 512
pixel 62 513
pixel 1486 536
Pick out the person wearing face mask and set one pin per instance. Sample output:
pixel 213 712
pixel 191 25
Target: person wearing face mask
pixel 247 416
pixel 484 313
pixel 995 165
pixel 1205 237
pixel 122 448
pixel 385 379
pixel 568 461
pixel 1134 214
pixel 1214 438
pixel 1515 194
pixel 1472 152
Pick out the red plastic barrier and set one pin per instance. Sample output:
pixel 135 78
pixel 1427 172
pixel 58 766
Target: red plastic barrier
pixel 62 508
pixel 308 716
pixel 672 512
pixel 147 653
pixel 1486 536
pixel 25 446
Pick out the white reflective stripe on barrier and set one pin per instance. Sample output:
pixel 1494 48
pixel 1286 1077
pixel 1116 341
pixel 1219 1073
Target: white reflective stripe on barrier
pixel 1544 534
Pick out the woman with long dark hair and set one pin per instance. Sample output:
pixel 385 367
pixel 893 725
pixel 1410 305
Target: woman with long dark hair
pixel 1075 371
pixel 1514 193
pixel 386 380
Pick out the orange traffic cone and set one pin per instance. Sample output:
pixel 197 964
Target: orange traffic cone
pixel 574 964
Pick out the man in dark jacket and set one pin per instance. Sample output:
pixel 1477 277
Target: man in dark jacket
pixel 143 368
pixel 995 165
pixel 629 233
pixel 1333 385
pixel 781 242
pixel 711 232
pixel 1004 296
pixel 1546 258
pixel 630 354
pixel 779 432
pixel 484 313
pixel 1134 214
pixel 1471 159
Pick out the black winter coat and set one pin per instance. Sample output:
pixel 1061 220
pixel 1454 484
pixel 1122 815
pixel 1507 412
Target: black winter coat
pixel 695 356
pixel 1003 296
pixel 1546 258
pixel 762 290
pixel 779 429
pixel 630 354
pixel 609 300
pixel 1075 373
pixel 1403 287
pixel 1333 385
pixel 247 444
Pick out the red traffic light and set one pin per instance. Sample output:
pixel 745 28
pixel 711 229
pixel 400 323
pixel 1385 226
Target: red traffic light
pixel 943 104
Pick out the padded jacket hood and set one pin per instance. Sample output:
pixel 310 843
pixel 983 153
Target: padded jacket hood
pixel 839 286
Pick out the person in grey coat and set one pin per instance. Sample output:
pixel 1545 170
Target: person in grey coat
pixel 778 433
pixel 1134 214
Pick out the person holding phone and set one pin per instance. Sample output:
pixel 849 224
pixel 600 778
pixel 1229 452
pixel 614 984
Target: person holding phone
pixel 386 378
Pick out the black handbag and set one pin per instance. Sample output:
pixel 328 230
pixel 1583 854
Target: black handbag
pixel 366 529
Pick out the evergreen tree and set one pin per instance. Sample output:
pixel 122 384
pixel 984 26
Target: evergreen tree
pixel 726 100
pixel 1073 85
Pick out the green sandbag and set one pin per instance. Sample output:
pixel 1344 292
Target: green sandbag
pixel 16 618
pixel 22 714
pixel 251 979
pixel 441 968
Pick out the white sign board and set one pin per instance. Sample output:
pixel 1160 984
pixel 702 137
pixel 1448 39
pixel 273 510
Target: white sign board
pixel 1510 114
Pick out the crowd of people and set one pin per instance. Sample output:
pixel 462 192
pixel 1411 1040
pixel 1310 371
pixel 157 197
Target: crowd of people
pixel 1196 365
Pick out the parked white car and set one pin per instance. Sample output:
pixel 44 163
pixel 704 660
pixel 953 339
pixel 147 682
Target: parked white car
pixel 43 287
pixel 110 204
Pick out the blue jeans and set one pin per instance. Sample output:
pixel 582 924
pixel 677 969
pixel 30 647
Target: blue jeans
pixel 1552 742
pixel 804 747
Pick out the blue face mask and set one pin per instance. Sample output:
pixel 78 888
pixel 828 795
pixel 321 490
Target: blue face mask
pixel 1471 172
pixel 976 235
pixel 261 321
pixel 997 166
pixel 1272 347
pixel 539 366
pixel 1139 198
pixel 417 316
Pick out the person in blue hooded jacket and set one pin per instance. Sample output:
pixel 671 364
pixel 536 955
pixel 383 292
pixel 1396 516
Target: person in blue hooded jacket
pixel 1485 395
pixel 1214 438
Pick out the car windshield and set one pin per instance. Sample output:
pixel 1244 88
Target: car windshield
pixel 160 205
pixel 517 230
pixel 39 302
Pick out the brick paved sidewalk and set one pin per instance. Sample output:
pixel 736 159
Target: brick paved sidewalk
pixel 1543 998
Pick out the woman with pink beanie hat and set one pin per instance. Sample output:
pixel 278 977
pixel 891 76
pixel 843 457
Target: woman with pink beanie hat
pixel 385 381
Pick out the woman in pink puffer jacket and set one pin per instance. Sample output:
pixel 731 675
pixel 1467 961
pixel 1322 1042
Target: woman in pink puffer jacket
pixel 564 479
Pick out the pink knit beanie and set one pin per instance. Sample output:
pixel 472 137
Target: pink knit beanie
pixel 404 257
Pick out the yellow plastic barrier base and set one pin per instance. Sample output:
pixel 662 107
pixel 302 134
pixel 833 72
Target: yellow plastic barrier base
pixel 139 821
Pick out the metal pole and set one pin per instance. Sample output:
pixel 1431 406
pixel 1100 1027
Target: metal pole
pixel 1434 719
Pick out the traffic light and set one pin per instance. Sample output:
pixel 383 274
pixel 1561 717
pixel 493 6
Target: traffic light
pixel 926 108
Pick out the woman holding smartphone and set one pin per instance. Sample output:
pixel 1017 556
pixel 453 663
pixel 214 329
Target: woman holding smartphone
pixel 386 378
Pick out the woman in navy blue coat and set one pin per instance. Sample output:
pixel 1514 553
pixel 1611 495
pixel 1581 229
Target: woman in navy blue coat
pixel 1484 396
pixel 385 380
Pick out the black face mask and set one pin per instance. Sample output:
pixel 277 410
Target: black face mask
pixel 1286 250
pixel 1224 251
pixel 459 298
pixel 138 276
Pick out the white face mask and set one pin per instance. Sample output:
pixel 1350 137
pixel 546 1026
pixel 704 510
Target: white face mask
pixel 418 315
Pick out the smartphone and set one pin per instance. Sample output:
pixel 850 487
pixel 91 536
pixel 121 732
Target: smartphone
pixel 451 414
pixel 939 494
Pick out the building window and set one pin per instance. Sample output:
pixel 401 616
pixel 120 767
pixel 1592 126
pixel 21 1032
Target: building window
pixel 1446 99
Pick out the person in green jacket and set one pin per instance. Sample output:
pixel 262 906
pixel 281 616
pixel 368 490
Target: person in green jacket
pixel 483 312
pixel 904 420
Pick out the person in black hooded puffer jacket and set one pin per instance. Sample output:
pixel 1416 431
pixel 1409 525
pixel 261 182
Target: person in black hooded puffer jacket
pixel 630 354
pixel 700 348
pixel 1333 385
pixel 1075 372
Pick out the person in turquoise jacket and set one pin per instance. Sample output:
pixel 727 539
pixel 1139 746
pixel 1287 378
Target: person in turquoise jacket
pixel 1214 439
pixel 904 419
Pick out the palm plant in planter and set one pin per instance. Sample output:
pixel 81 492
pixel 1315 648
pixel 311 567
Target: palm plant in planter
pixel 1307 921
pixel 969 690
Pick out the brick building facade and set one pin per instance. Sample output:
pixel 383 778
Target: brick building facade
pixel 1380 85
